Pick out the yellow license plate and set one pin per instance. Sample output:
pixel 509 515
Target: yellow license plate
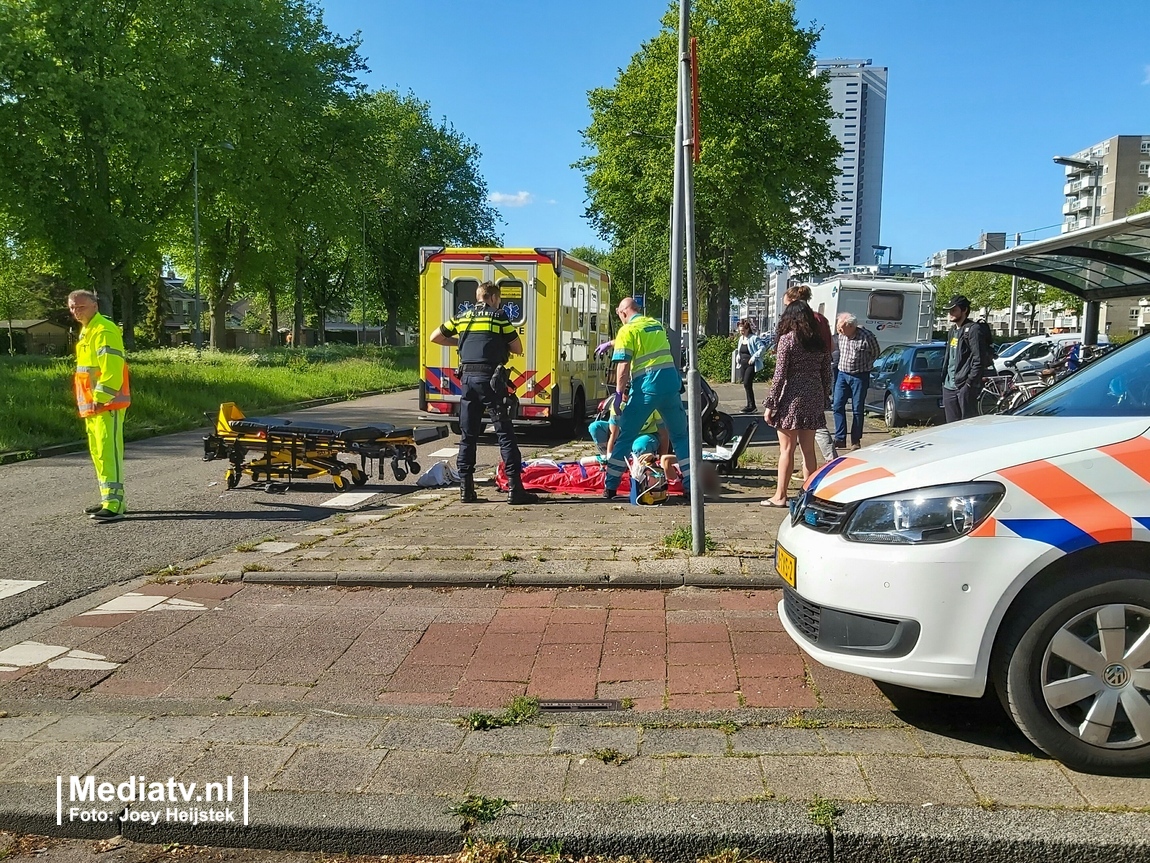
pixel 785 565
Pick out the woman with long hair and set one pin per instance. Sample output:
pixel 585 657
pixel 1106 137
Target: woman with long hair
pixel 797 403
pixel 748 361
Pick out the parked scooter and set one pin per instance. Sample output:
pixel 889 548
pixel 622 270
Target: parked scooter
pixel 718 427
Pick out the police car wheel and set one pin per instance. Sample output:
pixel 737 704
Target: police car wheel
pixel 1073 669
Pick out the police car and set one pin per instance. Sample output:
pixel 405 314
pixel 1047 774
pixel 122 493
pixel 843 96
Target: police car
pixel 1007 551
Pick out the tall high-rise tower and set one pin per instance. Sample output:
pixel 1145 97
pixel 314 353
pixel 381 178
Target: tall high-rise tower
pixel 858 100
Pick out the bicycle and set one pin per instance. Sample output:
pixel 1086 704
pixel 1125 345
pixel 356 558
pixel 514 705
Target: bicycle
pixel 1004 393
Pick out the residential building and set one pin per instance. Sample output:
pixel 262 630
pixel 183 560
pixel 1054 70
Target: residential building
pixel 1107 182
pixel 858 102
pixel 938 264
pixel 765 306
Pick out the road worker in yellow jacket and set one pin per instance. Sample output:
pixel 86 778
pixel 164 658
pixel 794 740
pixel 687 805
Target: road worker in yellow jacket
pixel 102 396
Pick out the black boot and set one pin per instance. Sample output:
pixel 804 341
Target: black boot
pixel 517 495
pixel 467 489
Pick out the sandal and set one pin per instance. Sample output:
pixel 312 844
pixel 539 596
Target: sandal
pixel 771 503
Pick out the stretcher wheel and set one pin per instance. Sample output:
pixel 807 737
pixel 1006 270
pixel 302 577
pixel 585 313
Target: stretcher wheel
pixel 338 481
pixel 232 478
pixel 414 467
pixel 358 477
pixel 400 473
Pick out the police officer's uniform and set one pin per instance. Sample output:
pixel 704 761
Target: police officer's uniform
pixel 484 336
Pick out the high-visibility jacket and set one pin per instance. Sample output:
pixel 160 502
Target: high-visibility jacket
pixel 101 379
pixel 643 342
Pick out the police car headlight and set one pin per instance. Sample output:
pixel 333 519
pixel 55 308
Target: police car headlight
pixel 934 514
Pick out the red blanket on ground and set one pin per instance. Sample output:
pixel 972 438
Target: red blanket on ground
pixel 570 478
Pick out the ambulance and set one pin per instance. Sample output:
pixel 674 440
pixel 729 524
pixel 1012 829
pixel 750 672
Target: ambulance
pixel 1007 552
pixel 561 307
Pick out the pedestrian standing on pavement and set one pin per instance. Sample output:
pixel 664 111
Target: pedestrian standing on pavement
pixel 485 338
pixel 966 354
pixel 797 404
pixel 102 398
pixel 823 439
pixel 647 378
pixel 748 361
pixel 858 349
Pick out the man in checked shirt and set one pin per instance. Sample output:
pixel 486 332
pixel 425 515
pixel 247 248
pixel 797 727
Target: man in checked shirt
pixel 858 349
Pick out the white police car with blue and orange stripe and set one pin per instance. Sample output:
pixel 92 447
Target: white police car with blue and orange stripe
pixel 1009 550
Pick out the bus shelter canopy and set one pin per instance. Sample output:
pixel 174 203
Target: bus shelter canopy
pixel 1104 262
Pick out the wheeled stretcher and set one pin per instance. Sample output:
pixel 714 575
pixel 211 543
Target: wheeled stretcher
pixel 271 448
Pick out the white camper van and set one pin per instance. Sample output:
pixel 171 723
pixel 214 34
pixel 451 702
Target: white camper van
pixel 898 312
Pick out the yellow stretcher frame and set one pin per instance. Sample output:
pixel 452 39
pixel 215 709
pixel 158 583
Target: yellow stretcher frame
pixel 288 449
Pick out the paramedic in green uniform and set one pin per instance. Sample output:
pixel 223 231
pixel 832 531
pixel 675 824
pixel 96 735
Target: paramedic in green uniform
pixel 486 339
pixel 648 379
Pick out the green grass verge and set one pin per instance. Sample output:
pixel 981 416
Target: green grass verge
pixel 172 388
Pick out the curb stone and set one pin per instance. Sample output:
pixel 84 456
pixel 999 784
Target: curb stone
pixel 490 579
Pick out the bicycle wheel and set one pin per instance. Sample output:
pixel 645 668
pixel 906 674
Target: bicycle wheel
pixel 989 402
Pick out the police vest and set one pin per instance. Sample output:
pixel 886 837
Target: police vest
pixel 484 335
pixel 101 378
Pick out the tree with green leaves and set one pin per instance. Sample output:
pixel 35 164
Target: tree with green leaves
pixel 1143 206
pixel 765 182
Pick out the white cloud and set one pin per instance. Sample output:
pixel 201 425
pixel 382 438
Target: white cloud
pixel 502 199
pixel 1146 80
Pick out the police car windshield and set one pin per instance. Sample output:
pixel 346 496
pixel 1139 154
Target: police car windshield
pixel 1117 385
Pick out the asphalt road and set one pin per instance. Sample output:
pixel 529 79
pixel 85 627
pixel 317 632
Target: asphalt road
pixel 179 509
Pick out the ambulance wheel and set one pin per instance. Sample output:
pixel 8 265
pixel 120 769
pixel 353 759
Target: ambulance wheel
pixel 232 478
pixel 1072 667
pixel 890 414
pixel 338 481
pixel 456 428
pixel 358 477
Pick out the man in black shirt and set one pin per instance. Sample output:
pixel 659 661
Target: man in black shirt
pixel 966 356
pixel 485 338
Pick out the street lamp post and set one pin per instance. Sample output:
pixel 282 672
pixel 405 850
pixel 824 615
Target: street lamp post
pixel 878 253
pixel 198 334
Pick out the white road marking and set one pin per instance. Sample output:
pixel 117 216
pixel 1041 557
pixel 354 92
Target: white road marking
pixel 445 452
pixel 426 496
pixel 28 653
pixel 173 604
pixel 12 586
pixel 349 499
pixel 129 603
pixel 78 660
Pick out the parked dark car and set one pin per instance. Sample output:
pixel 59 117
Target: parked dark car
pixel 906 384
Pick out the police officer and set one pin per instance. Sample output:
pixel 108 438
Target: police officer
pixel 102 397
pixel 645 369
pixel 485 338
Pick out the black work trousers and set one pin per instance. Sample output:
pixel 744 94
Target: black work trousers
pixel 479 399
pixel 962 403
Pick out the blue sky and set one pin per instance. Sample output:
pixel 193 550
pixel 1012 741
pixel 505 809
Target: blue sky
pixel 981 96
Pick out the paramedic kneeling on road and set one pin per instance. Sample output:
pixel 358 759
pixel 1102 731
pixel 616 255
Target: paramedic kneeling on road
pixel 644 361
pixel 102 397
pixel 486 338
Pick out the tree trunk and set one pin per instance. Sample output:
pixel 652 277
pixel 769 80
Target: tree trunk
pixel 723 312
pixel 297 308
pixel 104 288
pixel 273 313
pixel 392 327
pixel 11 340
pixel 218 325
pixel 128 312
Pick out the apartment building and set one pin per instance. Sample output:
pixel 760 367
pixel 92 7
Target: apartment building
pixel 1103 183
pixel 858 100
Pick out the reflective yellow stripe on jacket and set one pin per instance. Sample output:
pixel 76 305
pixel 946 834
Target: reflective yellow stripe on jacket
pixel 645 341
pixel 101 379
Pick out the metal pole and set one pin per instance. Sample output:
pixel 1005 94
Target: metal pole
pixel 1014 293
pixel 687 207
pixel 198 336
pixel 363 284
pixel 675 291
pixel 633 270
